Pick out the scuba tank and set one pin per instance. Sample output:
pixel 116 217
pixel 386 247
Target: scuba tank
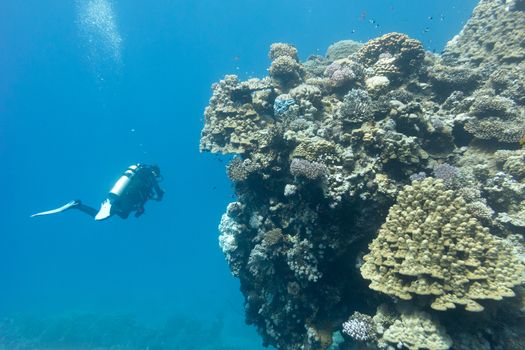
pixel 122 183
pixel 116 192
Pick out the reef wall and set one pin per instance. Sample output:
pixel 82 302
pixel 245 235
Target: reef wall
pixel 381 190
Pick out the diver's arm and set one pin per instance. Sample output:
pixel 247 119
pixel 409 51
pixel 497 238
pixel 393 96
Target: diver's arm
pixel 139 212
pixel 159 192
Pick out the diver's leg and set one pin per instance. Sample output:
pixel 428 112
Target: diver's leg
pixel 86 209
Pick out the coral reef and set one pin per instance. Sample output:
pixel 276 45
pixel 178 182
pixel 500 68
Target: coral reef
pixel 416 155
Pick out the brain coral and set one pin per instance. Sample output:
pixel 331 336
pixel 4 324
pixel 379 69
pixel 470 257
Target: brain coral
pixel 431 245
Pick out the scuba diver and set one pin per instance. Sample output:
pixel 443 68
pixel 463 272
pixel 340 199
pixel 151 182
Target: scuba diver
pixel 138 184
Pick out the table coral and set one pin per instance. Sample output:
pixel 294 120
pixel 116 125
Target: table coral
pixel 430 245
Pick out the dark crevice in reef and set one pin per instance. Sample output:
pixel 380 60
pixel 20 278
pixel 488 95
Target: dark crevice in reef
pixel 439 146
pixel 461 137
pixel 395 170
pixel 381 179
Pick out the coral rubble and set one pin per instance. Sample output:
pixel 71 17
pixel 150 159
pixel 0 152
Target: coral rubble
pixel 381 190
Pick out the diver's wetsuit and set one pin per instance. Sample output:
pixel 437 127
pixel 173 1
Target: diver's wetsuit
pixel 135 187
pixel 144 186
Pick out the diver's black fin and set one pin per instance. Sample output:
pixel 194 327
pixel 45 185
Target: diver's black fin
pixel 76 204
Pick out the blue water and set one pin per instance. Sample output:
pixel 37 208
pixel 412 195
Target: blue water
pixel 84 95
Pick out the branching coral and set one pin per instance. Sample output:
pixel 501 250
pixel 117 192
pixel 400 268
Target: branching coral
pixel 307 169
pixel 359 327
pixel 344 72
pixel 430 245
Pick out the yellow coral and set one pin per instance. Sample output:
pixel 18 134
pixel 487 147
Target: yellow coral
pixel 431 245
pixel 418 330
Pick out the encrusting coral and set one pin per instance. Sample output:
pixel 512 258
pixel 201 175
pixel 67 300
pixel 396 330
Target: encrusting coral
pixel 419 153
pixel 392 55
pixel 233 123
pixel 430 245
